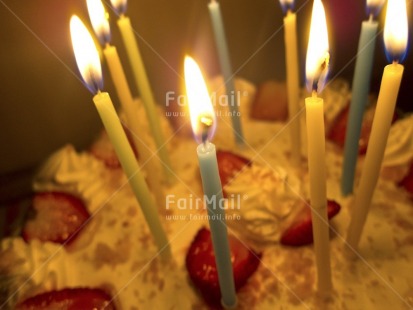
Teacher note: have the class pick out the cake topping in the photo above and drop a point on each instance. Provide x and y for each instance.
(200, 263)
(69, 299)
(399, 147)
(301, 230)
(56, 217)
(267, 196)
(68, 171)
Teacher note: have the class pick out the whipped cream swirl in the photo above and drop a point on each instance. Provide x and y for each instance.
(267, 197)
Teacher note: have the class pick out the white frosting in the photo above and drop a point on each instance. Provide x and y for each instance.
(267, 196)
(116, 250)
(399, 147)
(77, 173)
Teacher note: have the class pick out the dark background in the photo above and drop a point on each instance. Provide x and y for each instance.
(44, 104)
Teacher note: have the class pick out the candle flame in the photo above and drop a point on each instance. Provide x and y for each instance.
(201, 111)
(99, 19)
(374, 7)
(318, 56)
(86, 54)
(120, 6)
(396, 30)
(287, 5)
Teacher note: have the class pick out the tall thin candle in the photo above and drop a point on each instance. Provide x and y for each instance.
(395, 40)
(88, 62)
(203, 123)
(221, 43)
(359, 97)
(293, 80)
(150, 162)
(316, 70)
(142, 83)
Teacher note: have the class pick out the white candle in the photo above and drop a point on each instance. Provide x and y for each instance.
(221, 44)
(203, 123)
(316, 70)
(149, 162)
(395, 40)
(293, 81)
(142, 84)
(88, 62)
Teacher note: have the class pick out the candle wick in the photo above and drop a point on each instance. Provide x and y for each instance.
(314, 93)
(371, 17)
(395, 62)
(206, 123)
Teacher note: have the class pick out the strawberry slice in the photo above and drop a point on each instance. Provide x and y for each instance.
(300, 231)
(200, 263)
(337, 133)
(55, 216)
(229, 164)
(69, 299)
(407, 181)
(103, 150)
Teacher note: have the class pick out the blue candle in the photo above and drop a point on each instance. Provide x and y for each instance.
(360, 91)
(225, 63)
(203, 122)
(214, 200)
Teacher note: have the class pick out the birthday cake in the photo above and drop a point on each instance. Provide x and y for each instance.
(111, 258)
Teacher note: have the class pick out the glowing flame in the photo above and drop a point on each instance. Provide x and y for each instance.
(86, 54)
(201, 111)
(396, 30)
(119, 6)
(318, 57)
(287, 5)
(374, 6)
(99, 19)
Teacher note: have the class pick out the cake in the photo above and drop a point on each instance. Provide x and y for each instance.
(114, 251)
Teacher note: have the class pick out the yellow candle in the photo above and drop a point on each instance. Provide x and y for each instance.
(316, 70)
(293, 83)
(149, 162)
(87, 59)
(395, 40)
(142, 83)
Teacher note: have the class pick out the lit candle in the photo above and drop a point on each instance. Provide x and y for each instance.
(316, 71)
(88, 62)
(221, 44)
(293, 79)
(101, 26)
(359, 97)
(142, 83)
(203, 122)
(395, 41)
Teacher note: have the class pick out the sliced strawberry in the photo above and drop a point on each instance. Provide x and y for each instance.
(103, 150)
(337, 133)
(56, 217)
(301, 230)
(200, 263)
(407, 181)
(229, 164)
(69, 299)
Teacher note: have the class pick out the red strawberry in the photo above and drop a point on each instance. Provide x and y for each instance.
(103, 150)
(337, 133)
(69, 299)
(200, 263)
(57, 217)
(301, 230)
(407, 181)
(229, 164)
